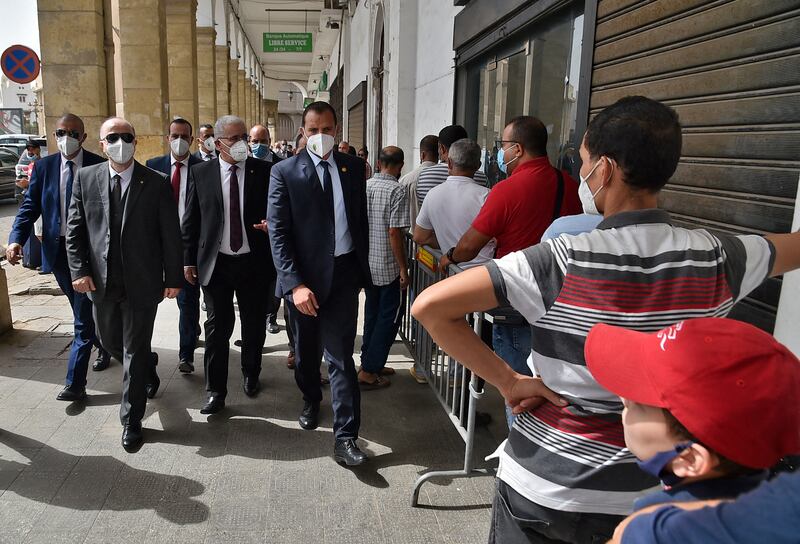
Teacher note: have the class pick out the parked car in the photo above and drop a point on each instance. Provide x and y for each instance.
(8, 164)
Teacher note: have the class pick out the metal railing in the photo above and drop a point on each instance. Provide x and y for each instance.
(456, 388)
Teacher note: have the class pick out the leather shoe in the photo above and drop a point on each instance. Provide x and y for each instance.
(346, 452)
(71, 395)
(309, 418)
(273, 328)
(186, 367)
(132, 438)
(152, 387)
(214, 404)
(103, 360)
(251, 386)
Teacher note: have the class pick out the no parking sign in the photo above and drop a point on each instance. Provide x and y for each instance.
(20, 64)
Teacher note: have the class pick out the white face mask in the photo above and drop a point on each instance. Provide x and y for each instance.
(120, 152)
(179, 147)
(320, 144)
(585, 193)
(67, 145)
(208, 143)
(238, 151)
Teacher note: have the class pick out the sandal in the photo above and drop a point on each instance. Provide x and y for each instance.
(379, 383)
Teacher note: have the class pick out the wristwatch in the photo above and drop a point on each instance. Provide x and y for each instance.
(450, 255)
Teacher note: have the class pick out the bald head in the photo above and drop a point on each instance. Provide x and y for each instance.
(117, 125)
(70, 121)
(390, 160)
(259, 135)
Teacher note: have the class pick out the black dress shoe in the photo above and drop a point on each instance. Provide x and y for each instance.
(273, 328)
(309, 418)
(71, 395)
(346, 452)
(103, 360)
(251, 386)
(152, 386)
(213, 404)
(132, 438)
(186, 367)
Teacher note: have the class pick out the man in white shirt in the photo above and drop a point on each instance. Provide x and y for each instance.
(449, 208)
(176, 166)
(206, 149)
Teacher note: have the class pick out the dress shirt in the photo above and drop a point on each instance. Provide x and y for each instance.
(125, 177)
(225, 176)
(184, 178)
(344, 242)
(77, 164)
(207, 156)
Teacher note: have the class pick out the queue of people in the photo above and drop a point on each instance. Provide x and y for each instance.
(621, 372)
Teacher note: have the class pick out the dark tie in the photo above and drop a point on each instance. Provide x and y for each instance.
(70, 179)
(236, 216)
(327, 186)
(176, 182)
(116, 193)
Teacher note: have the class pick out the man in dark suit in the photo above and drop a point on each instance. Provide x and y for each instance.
(317, 217)
(124, 250)
(176, 165)
(48, 196)
(226, 250)
(206, 151)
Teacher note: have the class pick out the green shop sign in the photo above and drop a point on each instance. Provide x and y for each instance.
(288, 42)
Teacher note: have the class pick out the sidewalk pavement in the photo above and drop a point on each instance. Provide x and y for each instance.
(249, 474)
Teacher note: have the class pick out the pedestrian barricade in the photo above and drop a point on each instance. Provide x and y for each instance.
(457, 389)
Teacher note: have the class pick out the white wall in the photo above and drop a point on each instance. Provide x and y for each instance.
(359, 57)
(787, 326)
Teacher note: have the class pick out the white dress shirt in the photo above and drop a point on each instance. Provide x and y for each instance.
(124, 178)
(184, 181)
(78, 163)
(225, 175)
(344, 242)
(207, 156)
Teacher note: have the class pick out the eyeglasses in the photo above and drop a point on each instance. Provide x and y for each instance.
(499, 143)
(112, 138)
(235, 138)
(60, 133)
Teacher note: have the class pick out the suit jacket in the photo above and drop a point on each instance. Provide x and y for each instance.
(43, 198)
(163, 163)
(301, 230)
(199, 155)
(204, 218)
(150, 238)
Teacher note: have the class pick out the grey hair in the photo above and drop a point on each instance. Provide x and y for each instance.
(225, 120)
(465, 154)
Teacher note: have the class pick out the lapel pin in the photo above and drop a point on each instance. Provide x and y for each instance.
(251, 171)
(344, 169)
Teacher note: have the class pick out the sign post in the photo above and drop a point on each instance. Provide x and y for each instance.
(288, 42)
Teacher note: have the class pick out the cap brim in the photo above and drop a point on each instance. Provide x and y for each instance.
(619, 359)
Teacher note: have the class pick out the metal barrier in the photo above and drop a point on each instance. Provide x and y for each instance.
(456, 388)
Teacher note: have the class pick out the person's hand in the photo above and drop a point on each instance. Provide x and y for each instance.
(403, 279)
(190, 273)
(22, 183)
(13, 253)
(444, 263)
(83, 284)
(304, 300)
(261, 226)
(171, 292)
(525, 393)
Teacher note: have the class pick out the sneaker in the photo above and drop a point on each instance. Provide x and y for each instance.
(417, 375)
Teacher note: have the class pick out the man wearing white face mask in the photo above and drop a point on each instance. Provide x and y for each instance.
(124, 250)
(317, 216)
(207, 149)
(48, 196)
(226, 251)
(176, 165)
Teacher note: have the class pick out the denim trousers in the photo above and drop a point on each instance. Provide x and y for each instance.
(382, 315)
(513, 345)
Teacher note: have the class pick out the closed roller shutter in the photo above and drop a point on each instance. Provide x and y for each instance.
(356, 126)
(731, 69)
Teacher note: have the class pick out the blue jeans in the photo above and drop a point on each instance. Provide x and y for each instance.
(382, 315)
(513, 345)
(84, 338)
(189, 320)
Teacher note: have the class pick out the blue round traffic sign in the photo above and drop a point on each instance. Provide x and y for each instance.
(20, 64)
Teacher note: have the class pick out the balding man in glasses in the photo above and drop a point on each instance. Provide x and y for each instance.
(124, 249)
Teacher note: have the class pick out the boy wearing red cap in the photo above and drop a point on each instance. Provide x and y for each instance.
(710, 404)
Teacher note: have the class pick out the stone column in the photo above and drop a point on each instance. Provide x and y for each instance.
(206, 75)
(246, 113)
(254, 103)
(241, 88)
(223, 54)
(74, 78)
(233, 90)
(270, 115)
(182, 59)
(140, 71)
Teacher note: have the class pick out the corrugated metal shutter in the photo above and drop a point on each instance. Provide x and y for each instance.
(731, 69)
(356, 126)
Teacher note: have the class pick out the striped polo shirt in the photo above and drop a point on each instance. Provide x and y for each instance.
(437, 174)
(635, 270)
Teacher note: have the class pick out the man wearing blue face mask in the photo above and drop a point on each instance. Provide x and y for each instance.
(259, 141)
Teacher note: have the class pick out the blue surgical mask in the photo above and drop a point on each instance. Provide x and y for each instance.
(501, 156)
(259, 150)
(657, 463)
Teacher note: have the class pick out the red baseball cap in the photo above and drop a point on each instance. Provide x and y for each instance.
(733, 386)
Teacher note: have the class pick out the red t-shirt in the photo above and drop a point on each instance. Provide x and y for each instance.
(519, 209)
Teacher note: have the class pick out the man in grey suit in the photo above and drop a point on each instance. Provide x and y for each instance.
(124, 249)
